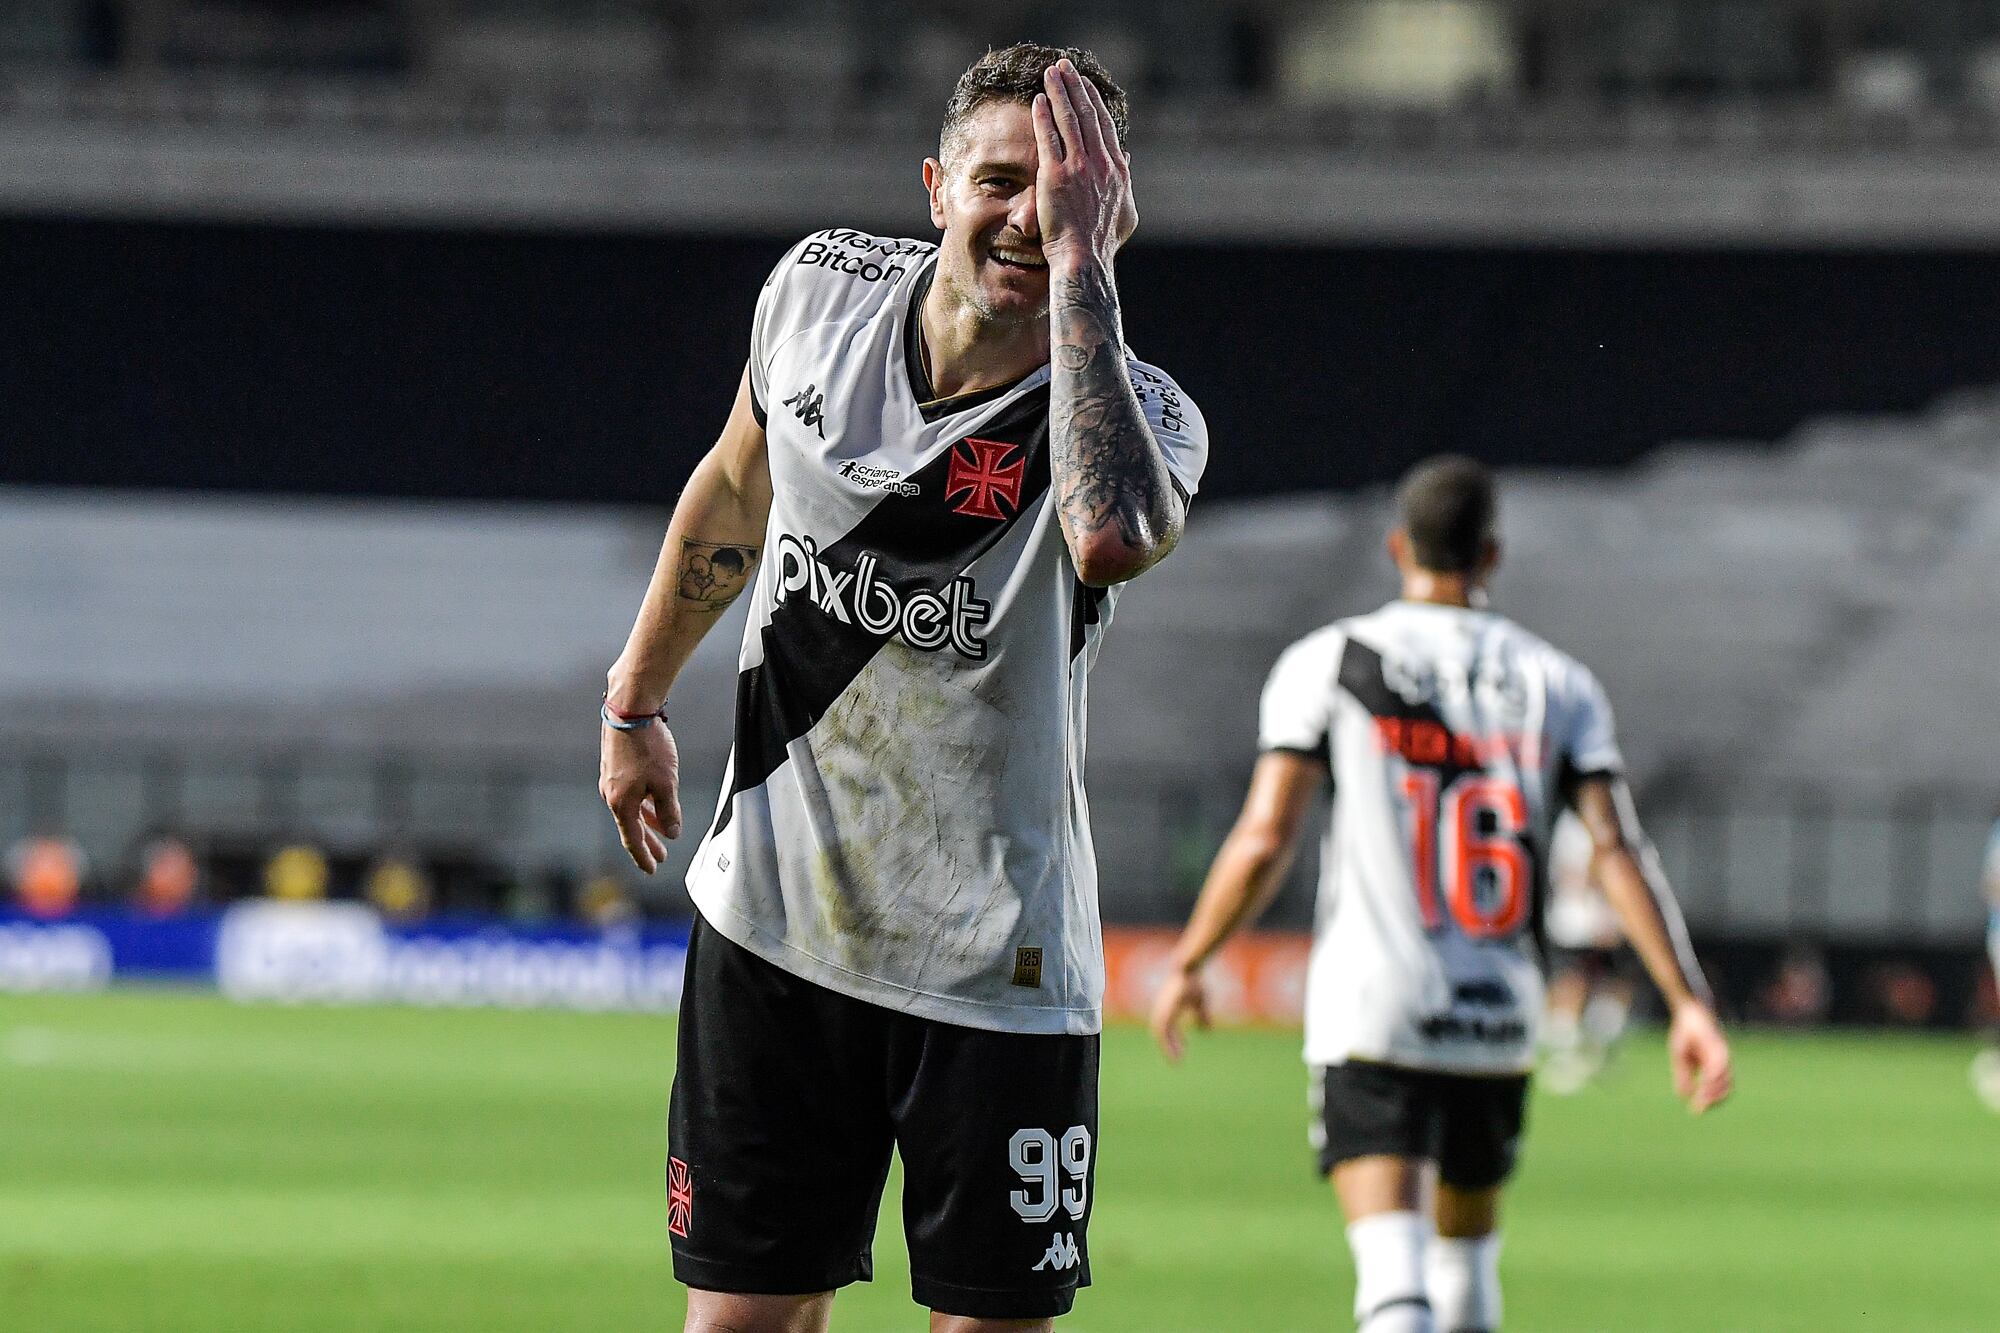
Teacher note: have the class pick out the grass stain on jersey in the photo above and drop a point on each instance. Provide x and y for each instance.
(893, 747)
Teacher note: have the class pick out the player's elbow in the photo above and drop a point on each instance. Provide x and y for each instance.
(1104, 563)
(1117, 552)
(1260, 846)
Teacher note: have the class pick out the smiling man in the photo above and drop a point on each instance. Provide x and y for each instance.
(941, 464)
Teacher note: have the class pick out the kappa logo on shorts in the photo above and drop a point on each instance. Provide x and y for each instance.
(984, 475)
(680, 1197)
(1062, 1253)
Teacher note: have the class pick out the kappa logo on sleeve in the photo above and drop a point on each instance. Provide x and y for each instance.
(983, 474)
(680, 1197)
(809, 406)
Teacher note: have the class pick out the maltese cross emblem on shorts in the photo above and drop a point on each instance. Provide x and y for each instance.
(979, 471)
(680, 1197)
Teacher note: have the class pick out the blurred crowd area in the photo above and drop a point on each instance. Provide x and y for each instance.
(1874, 54)
(164, 874)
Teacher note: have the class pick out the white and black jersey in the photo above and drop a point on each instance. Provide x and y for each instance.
(903, 817)
(1452, 736)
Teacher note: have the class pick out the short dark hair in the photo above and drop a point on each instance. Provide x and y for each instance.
(1014, 74)
(1446, 506)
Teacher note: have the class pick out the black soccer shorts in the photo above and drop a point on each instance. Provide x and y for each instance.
(787, 1101)
(1470, 1125)
(1608, 963)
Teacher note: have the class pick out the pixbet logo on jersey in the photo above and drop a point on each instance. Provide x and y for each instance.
(924, 618)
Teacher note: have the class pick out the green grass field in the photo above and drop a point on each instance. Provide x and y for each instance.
(173, 1162)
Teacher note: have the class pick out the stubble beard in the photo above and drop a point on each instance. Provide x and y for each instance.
(966, 294)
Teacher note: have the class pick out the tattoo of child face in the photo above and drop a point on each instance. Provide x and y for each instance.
(713, 574)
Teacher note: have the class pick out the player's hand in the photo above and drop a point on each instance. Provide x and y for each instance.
(1700, 1056)
(1183, 997)
(639, 777)
(1083, 183)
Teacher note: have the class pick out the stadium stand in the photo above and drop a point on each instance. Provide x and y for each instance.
(1688, 119)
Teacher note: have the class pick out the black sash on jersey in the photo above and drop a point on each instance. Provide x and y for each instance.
(810, 657)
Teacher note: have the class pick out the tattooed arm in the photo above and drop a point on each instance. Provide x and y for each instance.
(1119, 511)
(1120, 514)
(709, 557)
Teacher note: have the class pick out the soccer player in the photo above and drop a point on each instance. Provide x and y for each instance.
(1452, 736)
(941, 463)
(1590, 994)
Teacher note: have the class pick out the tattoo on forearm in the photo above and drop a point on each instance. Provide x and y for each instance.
(1106, 466)
(711, 574)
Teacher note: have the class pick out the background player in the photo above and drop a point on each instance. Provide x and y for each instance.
(1590, 993)
(950, 458)
(1453, 736)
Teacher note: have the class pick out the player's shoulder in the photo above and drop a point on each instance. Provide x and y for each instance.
(841, 269)
(1376, 629)
(1561, 668)
(1319, 648)
(1146, 375)
(844, 258)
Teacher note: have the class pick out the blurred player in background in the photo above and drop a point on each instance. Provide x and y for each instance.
(1590, 994)
(1986, 1065)
(950, 458)
(1452, 736)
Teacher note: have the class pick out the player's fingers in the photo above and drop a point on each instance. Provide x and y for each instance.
(1717, 1080)
(632, 832)
(662, 812)
(1046, 136)
(1064, 110)
(1083, 97)
(1107, 128)
(1162, 1024)
(1683, 1066)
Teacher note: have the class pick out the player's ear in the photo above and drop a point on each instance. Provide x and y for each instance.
(1398, 546)
(934, 186)
(1489, 556)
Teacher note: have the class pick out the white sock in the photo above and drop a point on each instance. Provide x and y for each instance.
(1604, 1019)
(1389, 1295)
(1463, 1278)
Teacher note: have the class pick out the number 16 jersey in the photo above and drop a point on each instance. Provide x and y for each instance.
(1453, 737)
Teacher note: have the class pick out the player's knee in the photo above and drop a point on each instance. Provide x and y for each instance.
(1466, 1214)
(1389, 1291)
(732, 1312)
(951, 1323)
(1463, 1279)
